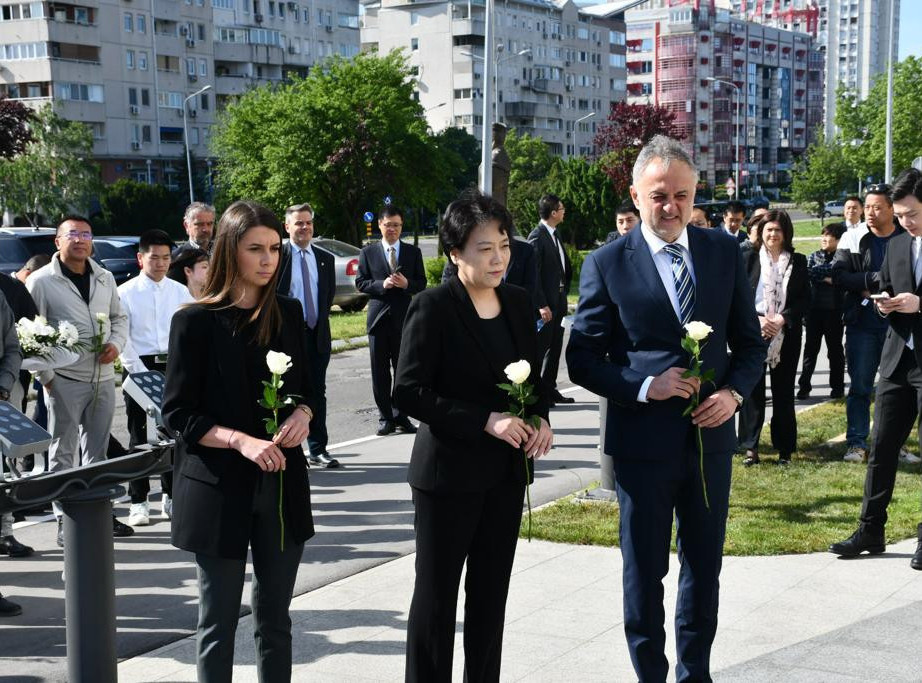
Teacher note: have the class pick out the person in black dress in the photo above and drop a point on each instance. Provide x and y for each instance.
(467, 470)
(227, 479)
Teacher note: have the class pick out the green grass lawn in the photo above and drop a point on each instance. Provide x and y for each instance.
(806, 247)
(811, 227)
(347, 325)
(773, 510)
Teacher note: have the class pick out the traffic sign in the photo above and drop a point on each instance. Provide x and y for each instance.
(368, 216)
(388, 200)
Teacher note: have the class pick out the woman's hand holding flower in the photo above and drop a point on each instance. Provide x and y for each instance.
(540, 441)
(508, 428)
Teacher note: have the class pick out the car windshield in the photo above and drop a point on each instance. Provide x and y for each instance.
(338, 248)
(105, 250)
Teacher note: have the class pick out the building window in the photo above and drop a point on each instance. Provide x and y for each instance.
(201, 31)
(190, 66)
(79, 91)
(142, 61)
(414, 44)
(129, 22)
(141, 23)
(202, 67)
(145, 97)
(133, 97)
(193, 136)
(414, 18)
(129, 59)
(203, 101)
(171, 100)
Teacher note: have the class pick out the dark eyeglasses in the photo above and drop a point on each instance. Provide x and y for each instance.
(878, 188)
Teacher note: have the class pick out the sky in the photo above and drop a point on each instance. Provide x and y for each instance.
(910, 29)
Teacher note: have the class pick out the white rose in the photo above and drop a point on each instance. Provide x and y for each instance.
(278, 362)
(518, 372)
(102, 317)
(698, 331)
(68, 335)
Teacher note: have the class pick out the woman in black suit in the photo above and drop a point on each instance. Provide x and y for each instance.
(467, 470)
(227, 481)
(782, 295)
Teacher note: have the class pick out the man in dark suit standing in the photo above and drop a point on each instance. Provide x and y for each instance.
(554, 275)
(198, 222)
(636, 295)
(390, 272)
(899, 391)
(308, 275)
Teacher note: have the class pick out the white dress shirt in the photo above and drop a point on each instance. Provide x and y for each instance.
(663, 262)
(149, 307)
(563, 261)
(296, 290)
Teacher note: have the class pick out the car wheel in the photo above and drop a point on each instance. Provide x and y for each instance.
(354, 306)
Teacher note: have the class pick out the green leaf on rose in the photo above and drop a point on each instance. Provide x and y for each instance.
(506, 387)
(530, 400)
(688, 410)
(708, 375)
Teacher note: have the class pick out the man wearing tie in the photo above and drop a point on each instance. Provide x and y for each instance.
(390, 272)
(636, 295)
(554, 275)
(899, 391)
(307, 274)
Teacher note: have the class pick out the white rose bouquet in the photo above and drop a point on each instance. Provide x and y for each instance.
(696, 334)
(43, 346)
(522, 396)
(278, 363)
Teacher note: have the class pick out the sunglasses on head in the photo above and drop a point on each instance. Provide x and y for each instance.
(878, 188)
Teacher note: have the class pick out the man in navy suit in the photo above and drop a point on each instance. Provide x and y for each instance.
(636, 295)
(302, 265)
(390, 272)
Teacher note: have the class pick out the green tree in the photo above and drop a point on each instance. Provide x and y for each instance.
(14, 127)
(127, 206)
(532, 163)
(863, 124)
(459, 152)
(342, 138)
(54, 175)
(823, 174)
(587, 192)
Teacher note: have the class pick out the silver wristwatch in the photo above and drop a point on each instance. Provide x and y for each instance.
(737, 396)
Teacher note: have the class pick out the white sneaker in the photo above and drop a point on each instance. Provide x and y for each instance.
(853, 454)
(167, 511)
(909, 458)
(139, 514)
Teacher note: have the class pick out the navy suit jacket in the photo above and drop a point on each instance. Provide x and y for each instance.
(326, 290)
(625, 330)
(373, 270)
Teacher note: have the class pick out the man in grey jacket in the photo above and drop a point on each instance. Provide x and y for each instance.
(81, 397)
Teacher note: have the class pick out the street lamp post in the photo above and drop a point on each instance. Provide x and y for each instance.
(576, 130)
(736, 125)
(888, 156)
(486, 142)
(185, 136)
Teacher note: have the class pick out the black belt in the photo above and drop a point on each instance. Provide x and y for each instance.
(154, 359)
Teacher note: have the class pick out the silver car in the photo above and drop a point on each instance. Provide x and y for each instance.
(346, 257)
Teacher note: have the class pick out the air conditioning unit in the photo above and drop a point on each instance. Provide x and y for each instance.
(190, 42)
(476, 75)
(193, 113)
(258, 18)
(329, 29)
(566, 63)
(134, 109)
(184, 30)
(193, 78)
(291, 50)
(135, 144)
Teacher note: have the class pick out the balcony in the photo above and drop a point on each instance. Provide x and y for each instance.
(521, 109)
(468, 27)
(73, 32)
(537, 84)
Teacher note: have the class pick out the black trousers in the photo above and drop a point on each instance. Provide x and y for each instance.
(384, 348)
(550, 344)
(480, 528)
(221, 588)
(318, 438)
(896, 410)
(784, 422)
(824, 325)
(139, 489)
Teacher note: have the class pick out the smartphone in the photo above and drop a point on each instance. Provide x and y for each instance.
(879, 297)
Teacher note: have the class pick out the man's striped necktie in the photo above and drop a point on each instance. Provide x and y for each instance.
(684, 287)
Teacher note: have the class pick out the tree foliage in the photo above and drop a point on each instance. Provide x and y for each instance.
(459, 151)
(628, 128)
(14, 127)
(863, 124)
(54, 174)
(130, 207)
(343, 138)
(820, 176)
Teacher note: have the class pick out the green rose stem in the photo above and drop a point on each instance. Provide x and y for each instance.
(270, 400)
(97, 348)
(693, 347)
(521, 394)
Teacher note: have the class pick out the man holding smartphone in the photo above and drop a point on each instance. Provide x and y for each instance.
(899, 392)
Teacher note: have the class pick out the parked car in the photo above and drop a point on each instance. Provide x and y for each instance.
(18, 245)
(834, 208)
(118, 255)
(346, 257)
(756, 202)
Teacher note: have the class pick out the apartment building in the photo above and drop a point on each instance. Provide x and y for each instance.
(675, 50)
(558, 66)
(854, 35)
(126, 68)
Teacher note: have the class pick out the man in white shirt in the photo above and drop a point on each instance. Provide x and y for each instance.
(855, 227)
(149, 300)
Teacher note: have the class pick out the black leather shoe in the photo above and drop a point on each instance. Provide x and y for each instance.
(837, 393)
(385, 428)
(404, 425)
(60, 538)
(10, 546)
(9, 609)
(859, 542)
(120, 530)
(803, 394)
(916, 561)
(323, 460)
(557, 397)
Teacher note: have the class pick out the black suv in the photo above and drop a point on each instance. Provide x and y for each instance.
(18, 245)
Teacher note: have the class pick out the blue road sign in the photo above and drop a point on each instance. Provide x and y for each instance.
(368, 216)
(388, 200)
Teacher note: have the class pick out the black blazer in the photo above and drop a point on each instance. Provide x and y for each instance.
(213, 487)
(374, 269)
(896, 277)
(797, 298)
(625, 330)
(549, 272)
(521, 272)
(326, 289)
(447, 379)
